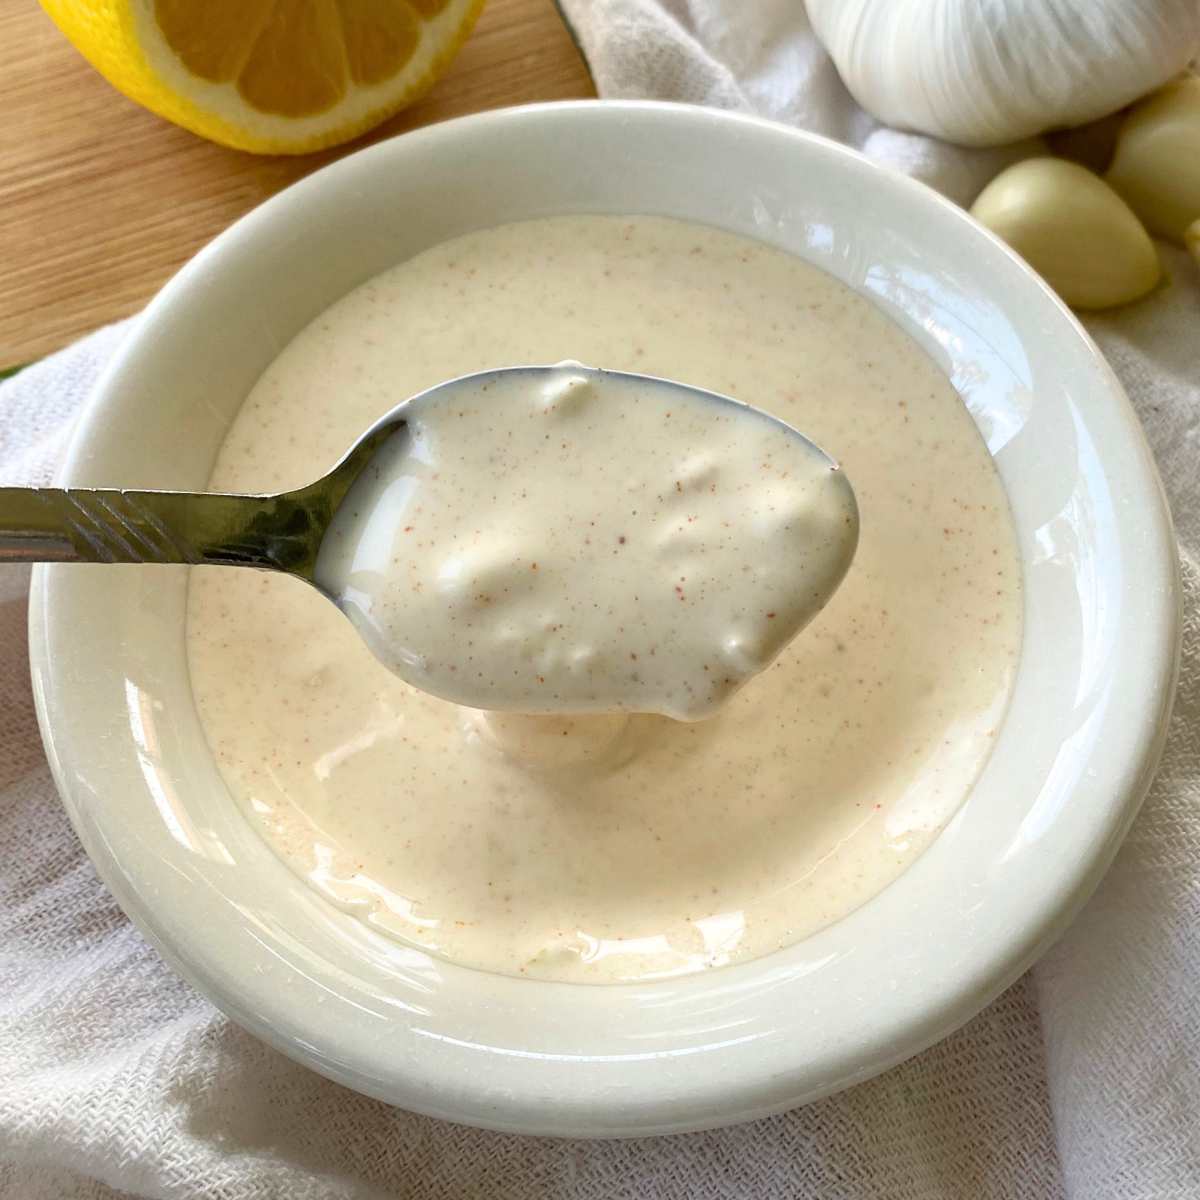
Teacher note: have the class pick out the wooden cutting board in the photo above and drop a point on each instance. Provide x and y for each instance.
(100, 201)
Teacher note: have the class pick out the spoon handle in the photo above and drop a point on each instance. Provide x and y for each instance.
(279, 532)
(116, 526)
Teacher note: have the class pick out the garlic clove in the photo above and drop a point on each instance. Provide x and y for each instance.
(1191, 237)
(1073, 229)
(1156, 167)
(983, 74)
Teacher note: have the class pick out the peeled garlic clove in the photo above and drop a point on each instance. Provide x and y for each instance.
(1073, 229)
(1191, 237)
(985, 74)
(1156, 167)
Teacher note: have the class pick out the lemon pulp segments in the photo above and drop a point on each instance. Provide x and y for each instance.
(271, 75)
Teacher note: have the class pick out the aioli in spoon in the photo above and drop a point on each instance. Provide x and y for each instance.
(532, 539)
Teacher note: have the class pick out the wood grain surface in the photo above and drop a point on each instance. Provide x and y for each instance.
(100, 201)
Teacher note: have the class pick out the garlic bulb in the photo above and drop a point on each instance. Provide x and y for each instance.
(1073, 229)
(1156, 165)
(982, 74)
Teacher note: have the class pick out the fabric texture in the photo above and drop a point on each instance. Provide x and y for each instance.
(1082, 1081)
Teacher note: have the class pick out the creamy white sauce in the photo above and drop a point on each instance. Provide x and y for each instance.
(616, 847)
(576, 540)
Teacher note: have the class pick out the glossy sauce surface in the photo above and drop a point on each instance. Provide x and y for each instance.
(606, 848)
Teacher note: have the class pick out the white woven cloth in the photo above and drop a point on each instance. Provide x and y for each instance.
(1083, 1081)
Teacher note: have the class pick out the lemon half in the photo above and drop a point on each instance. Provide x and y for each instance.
(273, 76)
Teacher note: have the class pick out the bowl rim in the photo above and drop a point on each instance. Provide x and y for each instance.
(901, 1035)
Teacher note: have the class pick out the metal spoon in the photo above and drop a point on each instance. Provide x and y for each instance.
(280, 532)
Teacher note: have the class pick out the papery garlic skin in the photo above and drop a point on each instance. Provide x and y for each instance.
(982, 74)
(1073, 229)
(1156, 165)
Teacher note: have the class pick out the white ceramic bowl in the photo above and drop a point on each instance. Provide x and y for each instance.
(1070, 765)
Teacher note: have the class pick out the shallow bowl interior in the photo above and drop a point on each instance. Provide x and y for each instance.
(1070, 764)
